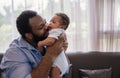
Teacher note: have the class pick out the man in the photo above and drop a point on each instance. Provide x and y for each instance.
(22, 59)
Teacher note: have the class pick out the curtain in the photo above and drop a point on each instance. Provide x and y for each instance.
(94, 24)
(104, 25)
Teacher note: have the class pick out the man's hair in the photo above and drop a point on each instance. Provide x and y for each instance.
(22, 22)
(65, 19)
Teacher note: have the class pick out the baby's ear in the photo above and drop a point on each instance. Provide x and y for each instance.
(29, 36)
(62, 26)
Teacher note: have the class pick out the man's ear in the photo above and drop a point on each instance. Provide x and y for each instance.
(29, 36)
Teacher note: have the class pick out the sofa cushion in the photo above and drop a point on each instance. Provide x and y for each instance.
(97, 73)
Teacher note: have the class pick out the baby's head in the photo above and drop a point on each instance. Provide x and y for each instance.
(64, 20)
(59, 20)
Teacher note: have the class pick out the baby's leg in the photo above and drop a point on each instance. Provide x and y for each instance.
(55, 72)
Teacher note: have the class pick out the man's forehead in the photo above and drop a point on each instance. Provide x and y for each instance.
(35, 20)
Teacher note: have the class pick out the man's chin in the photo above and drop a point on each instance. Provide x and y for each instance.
(44, 37)
(37, 39)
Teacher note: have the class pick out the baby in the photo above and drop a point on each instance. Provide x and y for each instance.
(57, 26)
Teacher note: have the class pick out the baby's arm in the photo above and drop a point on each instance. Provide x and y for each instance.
(47, 42)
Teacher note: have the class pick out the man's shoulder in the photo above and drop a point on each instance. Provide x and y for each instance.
(16, 49)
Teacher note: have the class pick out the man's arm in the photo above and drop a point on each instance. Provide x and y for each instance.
(43, 69)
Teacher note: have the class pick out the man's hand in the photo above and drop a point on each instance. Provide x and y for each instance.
(65, 43)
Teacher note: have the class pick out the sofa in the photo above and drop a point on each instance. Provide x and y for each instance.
(94, 61)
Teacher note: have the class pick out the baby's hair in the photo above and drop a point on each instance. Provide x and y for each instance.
(65, 19)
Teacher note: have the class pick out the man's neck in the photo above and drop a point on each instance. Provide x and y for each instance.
(31, 42)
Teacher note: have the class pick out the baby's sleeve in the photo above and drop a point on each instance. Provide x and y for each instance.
(55, 33)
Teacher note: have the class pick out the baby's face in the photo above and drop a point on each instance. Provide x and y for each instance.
(55, 22)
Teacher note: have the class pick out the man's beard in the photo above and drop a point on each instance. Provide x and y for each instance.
(39, 38)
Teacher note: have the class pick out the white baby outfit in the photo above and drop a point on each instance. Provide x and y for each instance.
(61, 61)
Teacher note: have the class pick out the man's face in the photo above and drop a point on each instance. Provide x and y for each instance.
(39, 28)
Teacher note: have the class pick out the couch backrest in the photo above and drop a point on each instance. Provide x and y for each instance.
(95, 60)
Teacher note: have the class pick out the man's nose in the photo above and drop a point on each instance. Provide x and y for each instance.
(46, 26)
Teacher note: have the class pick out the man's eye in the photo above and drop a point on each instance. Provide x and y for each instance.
(41, 26)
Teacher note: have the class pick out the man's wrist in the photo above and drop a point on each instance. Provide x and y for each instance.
(49, 56)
